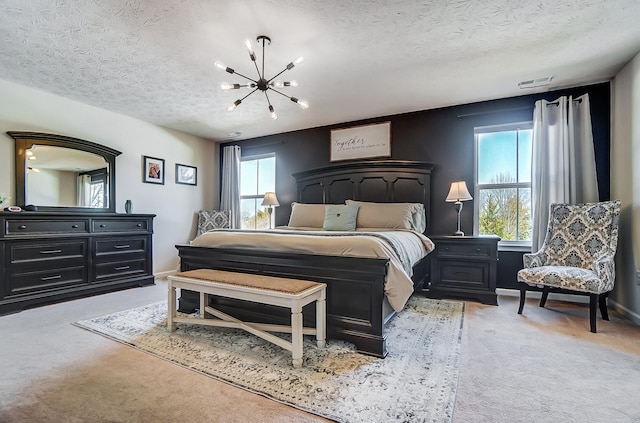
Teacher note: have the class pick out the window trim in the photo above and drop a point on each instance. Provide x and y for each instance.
(504, 245)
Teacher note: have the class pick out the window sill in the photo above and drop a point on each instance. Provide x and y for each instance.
(514, 248)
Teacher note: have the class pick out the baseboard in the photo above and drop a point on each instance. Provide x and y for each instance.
(630, 314)
(583, 299)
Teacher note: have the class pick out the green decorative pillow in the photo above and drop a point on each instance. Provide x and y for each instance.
(340, 217)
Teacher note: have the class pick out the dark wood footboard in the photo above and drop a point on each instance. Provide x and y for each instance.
(357, 309)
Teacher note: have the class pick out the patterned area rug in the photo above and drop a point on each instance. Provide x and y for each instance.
(416, 382)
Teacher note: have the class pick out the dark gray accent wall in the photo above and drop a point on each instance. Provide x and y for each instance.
(443, 137)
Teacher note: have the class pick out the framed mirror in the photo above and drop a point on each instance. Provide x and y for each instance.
(56, 173)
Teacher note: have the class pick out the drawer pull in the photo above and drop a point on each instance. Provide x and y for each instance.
(22, 227)
(139, 225)
(50, 251)
(102, 225)
(74, 226)
(478, 249)
(122, 246)
(123, 267)
(50, 278)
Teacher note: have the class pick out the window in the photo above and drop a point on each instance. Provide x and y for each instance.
(503, 182)
(257, 176)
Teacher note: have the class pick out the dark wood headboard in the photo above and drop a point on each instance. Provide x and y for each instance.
(382, 181)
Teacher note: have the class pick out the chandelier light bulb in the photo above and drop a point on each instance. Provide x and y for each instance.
(293, 83)
(298, 61)
(226, 86)
(277, 84)
(234, 105)
(252, 54)
(274, 116)
(303, 104)
(220, 65)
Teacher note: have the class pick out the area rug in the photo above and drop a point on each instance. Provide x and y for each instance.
(416, 382)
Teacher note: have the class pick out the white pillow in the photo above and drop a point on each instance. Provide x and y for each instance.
(307, 215)
(390, 215)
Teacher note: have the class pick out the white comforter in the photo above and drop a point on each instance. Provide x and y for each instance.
(403, 248)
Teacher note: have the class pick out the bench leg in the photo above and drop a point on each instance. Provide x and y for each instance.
(171, 325)
(321, 318)
(203, 304)
(296, 335)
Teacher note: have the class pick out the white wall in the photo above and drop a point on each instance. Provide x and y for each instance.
(625, 185)
(26, 109)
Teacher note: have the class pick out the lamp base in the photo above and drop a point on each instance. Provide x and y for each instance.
(458, 233)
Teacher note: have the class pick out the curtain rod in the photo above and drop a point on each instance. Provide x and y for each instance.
(495, 111)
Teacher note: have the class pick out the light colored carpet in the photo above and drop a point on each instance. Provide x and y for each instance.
(540, 367)
(416, 382)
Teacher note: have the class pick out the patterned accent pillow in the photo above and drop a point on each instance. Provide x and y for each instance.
(209, 220)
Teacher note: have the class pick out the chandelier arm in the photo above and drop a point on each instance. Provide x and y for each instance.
(265, 94)
(278, 74)
(248, 94)
(246, 77)
(282, 94)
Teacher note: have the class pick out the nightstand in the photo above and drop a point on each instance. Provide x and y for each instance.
(464, 266)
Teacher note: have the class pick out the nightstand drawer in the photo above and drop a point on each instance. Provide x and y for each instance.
(464, 274)
(466, 249)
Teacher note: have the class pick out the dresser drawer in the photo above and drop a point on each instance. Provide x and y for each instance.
(31, 252)
(46, 280)
(466, 249)
(121, 225)
(116, 246)
(115, 269)
(17, 227)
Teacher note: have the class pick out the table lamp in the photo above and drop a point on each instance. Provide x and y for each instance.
(457, 194)
(270, 200)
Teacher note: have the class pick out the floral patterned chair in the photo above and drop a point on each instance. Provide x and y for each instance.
(576, 256)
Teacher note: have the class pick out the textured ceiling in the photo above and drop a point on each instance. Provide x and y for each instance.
(154, 60)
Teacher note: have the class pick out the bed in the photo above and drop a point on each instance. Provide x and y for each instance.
(358, 300)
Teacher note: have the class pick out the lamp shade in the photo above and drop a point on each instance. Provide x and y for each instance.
(270, 199)
(458, 192)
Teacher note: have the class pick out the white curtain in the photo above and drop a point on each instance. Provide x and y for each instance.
(84, 190)
(230, 196)
(563, 162)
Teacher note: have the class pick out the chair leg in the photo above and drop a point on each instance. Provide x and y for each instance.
(603, 305)
(593, 301)
(543, 298)
(523, 296)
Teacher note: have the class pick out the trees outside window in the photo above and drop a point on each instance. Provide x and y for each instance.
(257, 176)
(503, 182)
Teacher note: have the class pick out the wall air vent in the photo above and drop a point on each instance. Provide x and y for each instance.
(534, 83)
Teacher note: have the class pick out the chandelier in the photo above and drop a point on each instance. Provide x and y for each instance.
(262, 84)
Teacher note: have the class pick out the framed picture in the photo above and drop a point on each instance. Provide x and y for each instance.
(359, 142)
(153, 170)
(187, 175)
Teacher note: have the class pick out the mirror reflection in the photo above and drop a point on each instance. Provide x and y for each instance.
(65, 177)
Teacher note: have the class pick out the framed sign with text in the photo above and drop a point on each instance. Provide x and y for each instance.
(359, 142)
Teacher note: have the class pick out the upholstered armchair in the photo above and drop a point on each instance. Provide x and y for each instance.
(209, 220)
(576, 256)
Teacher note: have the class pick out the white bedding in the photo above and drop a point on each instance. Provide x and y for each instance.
(404, 248)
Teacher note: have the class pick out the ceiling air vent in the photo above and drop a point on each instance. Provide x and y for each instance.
(534, 83)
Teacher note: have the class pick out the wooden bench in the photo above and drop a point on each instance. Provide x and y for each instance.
(283, 292)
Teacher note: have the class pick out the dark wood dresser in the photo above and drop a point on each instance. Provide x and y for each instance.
(52, 256)
(465, 267)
